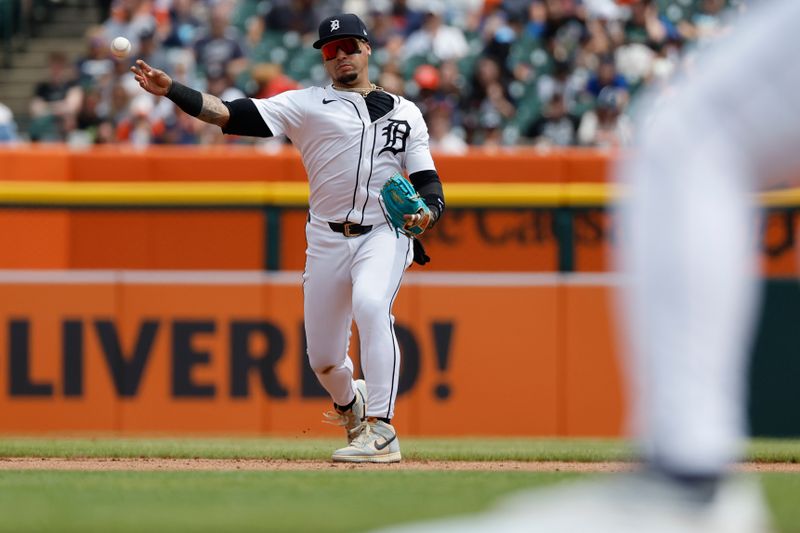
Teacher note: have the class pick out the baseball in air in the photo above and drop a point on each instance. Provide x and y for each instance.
(120, 47)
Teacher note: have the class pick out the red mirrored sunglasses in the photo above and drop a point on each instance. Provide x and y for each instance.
(348, 46)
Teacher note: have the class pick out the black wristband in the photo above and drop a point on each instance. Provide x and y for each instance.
(186, 98)
(436, 204)
(429, 186)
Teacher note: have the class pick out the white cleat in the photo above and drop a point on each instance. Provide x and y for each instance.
(376, 442)
(352, 418)
(632, 503)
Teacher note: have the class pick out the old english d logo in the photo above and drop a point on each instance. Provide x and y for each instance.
(396, 133)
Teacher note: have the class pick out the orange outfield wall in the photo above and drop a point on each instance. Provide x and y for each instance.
(521, 240)
(235, 240)
(101, 352)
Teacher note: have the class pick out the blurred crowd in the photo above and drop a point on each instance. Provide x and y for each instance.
(489, 73)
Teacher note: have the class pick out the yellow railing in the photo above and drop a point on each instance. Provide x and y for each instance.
(295, 194)
(274, 197)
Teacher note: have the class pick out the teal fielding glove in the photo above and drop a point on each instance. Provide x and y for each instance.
(404, 208)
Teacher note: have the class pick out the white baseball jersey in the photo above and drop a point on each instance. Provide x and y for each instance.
(348, 157)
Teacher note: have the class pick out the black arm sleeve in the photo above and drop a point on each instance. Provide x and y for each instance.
(186, 98)
(245, 119)
(429, 187)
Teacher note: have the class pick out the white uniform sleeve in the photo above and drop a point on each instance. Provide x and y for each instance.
(418, 154)
(283, 113)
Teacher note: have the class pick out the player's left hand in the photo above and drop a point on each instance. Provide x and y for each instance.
(421, 219)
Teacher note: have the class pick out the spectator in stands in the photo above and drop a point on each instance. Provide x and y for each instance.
(436, 38)
(119, 75)
(561, 81)
(8, 128)
(443, 138)
(270, 80)
(513, 8)
(96, 65)
(451, 83)
(556, 127)
(464, 14)
(427, 79)
(90, 116)
(222, 86)
(603, 37)
(565, 30)
(609, 10)
(537, 20)
(391, 78)
(645, 26)
(150, 48)
(606, 126)
(384, 34)
(405, 19)
(221, 48)
(138, 126)
(181, 129)
(56, 101)
(489, 133)
(184, 26)
(439, 97)
(129, 18)
(252, 41)
(299, 16)
(488, 104)
(606, 76)
(182, 66)
(117, 106)
(501, 38)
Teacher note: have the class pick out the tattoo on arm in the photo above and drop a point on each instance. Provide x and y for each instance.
(214, 111)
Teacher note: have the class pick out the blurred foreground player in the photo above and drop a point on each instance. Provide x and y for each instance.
(688, 247)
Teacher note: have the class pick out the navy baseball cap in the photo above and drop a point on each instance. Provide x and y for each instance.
(340, 26)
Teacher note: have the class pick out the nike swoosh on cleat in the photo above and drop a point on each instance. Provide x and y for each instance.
(381, 445)
(324, 101)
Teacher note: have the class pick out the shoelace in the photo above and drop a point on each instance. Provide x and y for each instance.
(335, 418)
(364, 430)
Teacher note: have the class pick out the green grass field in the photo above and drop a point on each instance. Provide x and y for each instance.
(350, 499)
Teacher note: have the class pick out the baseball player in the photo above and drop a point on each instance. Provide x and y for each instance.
(352, 136)
(688, 246)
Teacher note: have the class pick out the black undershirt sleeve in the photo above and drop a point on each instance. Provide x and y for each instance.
(187, 99)
(245, 119)
(429, 187)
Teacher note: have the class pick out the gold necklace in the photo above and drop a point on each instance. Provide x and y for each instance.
(363, 91)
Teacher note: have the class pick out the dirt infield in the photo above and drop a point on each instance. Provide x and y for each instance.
(160, 464)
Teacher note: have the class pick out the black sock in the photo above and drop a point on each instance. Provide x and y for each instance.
(342, 408)
(703, 486)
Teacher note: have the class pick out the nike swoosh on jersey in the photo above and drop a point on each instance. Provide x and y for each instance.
(381, 445)
(324, 101)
